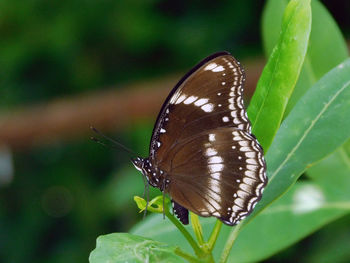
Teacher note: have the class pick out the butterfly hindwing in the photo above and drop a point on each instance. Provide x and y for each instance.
(218, 173)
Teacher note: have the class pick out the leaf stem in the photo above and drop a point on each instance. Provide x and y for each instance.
(186, 256)
(197, 228)
(229, 243)
(186, 234)
(214, 235)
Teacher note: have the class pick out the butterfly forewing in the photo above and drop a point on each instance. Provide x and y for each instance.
(210, 97)
(219, 173)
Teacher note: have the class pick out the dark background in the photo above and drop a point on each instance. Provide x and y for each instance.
(58, 195)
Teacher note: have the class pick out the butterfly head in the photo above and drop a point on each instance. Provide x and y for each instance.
(138, 162)
(141, 165)
(153, 176)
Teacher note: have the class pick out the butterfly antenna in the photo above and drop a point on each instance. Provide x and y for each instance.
(103, 144)
(111, 140)
(98, 141)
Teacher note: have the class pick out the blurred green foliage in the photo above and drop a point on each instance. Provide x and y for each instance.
(54, 48)
(64, 195)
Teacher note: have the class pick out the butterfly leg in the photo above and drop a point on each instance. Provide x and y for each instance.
(180, 212)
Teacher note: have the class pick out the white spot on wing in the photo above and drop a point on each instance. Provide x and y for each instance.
(181, 99)
(250, 154)
(213, 168)
(214, 186)
(249, 173)
(190, 99)
(245, 187)
(210, 66)
(239, 201)
(216, 176)
(216, 214)
(236, 121)
(211, 137)
(215, 159)
(218, 69)
(210, 152)
(243, 143)
(251, 161)
(225, 119)
(208, 107)
(245, 149)
(252, 167)
(201, 102)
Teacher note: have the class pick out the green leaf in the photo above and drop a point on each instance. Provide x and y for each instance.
(334, 237)
(306, 208)
(271, 23)
(301, 211)
(333, 173)
(154, 206)
(281, 73)
(157, 228)
(316, 63)
(123, 247)
(141, 203)
(317, 125)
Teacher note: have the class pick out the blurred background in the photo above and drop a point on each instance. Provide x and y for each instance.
(66, 65)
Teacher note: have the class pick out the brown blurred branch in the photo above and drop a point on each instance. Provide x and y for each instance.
(107, 110)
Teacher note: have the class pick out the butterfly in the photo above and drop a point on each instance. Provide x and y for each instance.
(202, 152)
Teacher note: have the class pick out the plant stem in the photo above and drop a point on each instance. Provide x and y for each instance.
(186, 256)
(229, 243)
(197, 228)
(214, 235)
(187, 235)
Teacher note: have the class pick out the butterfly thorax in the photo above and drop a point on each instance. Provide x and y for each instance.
(154, 176)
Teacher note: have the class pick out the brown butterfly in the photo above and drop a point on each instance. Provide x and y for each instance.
(202, 152)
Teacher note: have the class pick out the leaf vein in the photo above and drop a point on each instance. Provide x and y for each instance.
(307, 131)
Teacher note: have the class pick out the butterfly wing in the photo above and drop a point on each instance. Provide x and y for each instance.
(209, 96)
(218, 173)
(204, 114)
